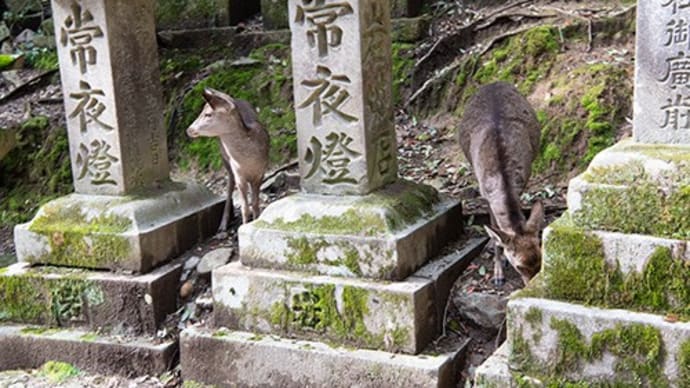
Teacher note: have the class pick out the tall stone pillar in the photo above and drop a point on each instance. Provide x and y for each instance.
(346, 261)
(125, 216)
(114, 110)
(612, 295)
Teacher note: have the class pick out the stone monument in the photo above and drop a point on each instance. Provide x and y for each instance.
(611, 304)
(125, 215)
(346, 261)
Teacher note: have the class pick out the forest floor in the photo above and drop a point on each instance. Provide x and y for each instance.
(428, 152)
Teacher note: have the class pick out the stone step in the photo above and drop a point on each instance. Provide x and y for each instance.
(393, 316)
(613, 270)
(27, 347)
(634, 188)
(135, 233)
(65, 297)
(559, 342)
(495, 372)
(227, 358)
(387, 235)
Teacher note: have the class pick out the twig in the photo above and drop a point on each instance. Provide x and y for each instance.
(26, 85)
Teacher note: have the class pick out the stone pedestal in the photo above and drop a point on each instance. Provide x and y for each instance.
(125, 216)
(611, 304)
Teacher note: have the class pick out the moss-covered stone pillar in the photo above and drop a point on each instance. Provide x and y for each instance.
(125, 213)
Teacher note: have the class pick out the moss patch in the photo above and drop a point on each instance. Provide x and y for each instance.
(638, 351)
(336, 315)
(37, 170)
(642, 205)
(30, 298)
(684, 363)
(584, 114)
(79, 241)
(387, 210)
(577, 271)
(58, 372)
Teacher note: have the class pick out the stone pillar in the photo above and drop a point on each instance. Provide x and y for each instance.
(113, 97)
(125, 214)
(615, 265)
(662, 73)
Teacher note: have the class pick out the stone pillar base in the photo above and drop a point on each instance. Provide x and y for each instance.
(385, 235)
(131, 233)
(272, 361)
(93, 300)
(26, 347)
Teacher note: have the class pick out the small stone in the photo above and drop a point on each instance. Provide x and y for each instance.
(186, 289)
(192, 262)
(148, 299)
(204, 302)
(213, 260)
(484, 310)
(26, 36)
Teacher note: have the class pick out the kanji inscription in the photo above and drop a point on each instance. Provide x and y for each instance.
(329, 93)
(322, 16)
(77, 33)
(95, 161)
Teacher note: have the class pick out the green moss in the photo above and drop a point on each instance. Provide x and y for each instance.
(79, 241)
(584, 114)
(640, 205)
(39, 330)
(43, 59)
(89, 337)
(37, 170)
(303, 252)
(22, 300)
(520, 355)
(578, 272)
(403, 63)
(31, 298)
(188, 14)
(222, 332)
(684, 364)
(638, 352)
(389, 209)
(533, 316)
(58, 372)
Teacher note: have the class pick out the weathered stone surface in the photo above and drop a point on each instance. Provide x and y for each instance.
(386, 235)
(399, 316)
(484, 310)
(110, 77)
(229, 358)
(213, 260)
(405, 8)
(62, 297)
(343, 95)
(27, 347)
(411, 30)
(495, 371)
(135, 233)
(635, 188)
(662, 94)
(561, 341)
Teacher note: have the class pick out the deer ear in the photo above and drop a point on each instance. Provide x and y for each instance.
(536, 218)
(502, 238)
(217, 99)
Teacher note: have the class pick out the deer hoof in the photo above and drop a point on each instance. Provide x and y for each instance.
(499, 282)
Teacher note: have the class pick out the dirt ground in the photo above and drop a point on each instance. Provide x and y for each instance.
(428, 153)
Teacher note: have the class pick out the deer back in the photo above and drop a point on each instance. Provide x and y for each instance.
(499, 134)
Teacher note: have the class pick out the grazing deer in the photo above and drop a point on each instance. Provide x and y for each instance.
(243, 146)
(499, 134)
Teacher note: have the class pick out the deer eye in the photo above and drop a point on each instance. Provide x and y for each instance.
(208, 114)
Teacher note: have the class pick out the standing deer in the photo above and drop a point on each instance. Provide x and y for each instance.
(243, 146)
(499, 134)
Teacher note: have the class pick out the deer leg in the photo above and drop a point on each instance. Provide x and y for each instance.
(499, 262)
(243, 187)
(256, 190)
(229, 206)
